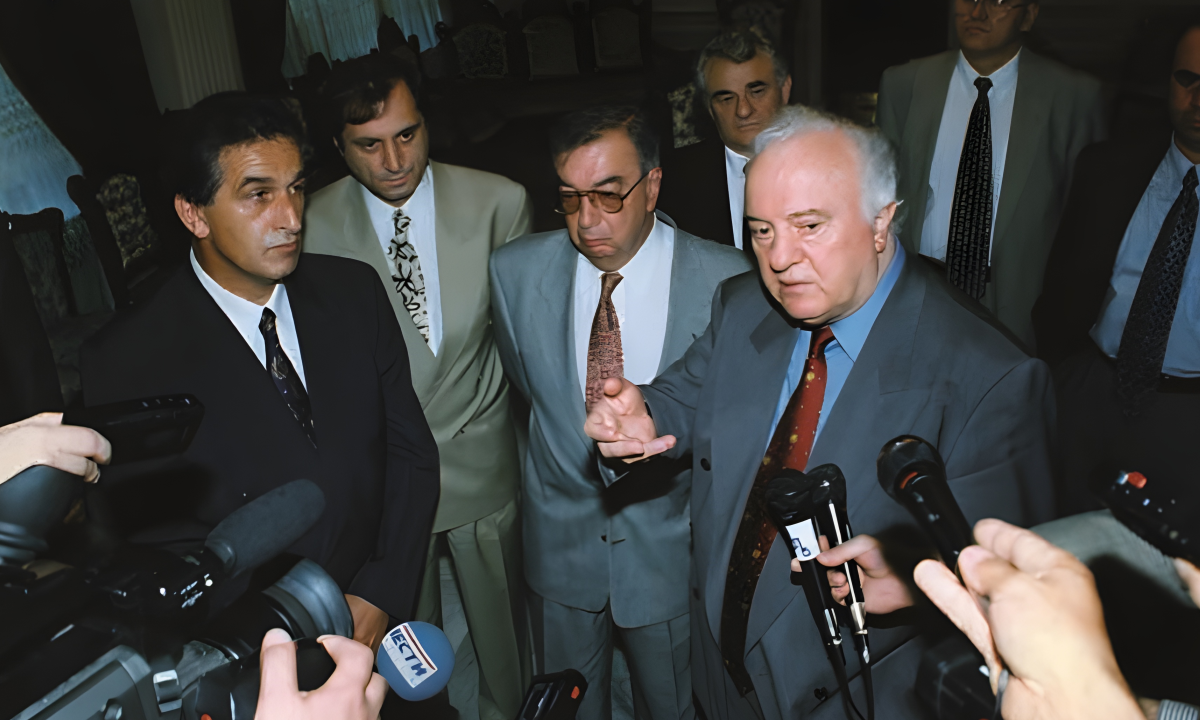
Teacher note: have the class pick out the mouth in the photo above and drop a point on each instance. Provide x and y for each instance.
(398, 180)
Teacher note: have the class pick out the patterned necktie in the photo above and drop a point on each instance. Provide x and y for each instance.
(971, 215)
(605, 357)
(790, 446)
(285, 377)
(406, 273)
(1148, 327)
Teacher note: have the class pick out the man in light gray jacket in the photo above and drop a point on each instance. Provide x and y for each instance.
(620, 293)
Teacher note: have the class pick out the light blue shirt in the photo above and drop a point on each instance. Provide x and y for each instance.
(1183, 346)
(849, 335)
(952, 133)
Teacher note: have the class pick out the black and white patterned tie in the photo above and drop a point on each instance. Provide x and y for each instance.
(406, 273)
(1148, 328)
(285, 377)
(971, 215)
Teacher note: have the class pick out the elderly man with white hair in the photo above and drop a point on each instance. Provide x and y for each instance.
(838, 344)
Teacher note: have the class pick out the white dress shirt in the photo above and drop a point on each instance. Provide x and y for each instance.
(1183, 344)
(641, 300)
(952, 133)
(246, 316)
(422, 233)
(735, 178)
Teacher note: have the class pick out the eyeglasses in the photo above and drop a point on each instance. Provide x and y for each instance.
(999, 7)
(569, 201)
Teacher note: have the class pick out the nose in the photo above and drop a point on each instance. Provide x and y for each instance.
(744, 109)
(979, 10)
(391, 156)
(589, 214)
(291, 208)
(780, 254)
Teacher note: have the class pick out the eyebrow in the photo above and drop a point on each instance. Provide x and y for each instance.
(818, 213)
(606, 181)
(364, 140)
(253, 180)
(1186, 78)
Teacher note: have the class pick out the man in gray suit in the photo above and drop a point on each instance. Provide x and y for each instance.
(844, 342)
(620, 292)
(987, 139)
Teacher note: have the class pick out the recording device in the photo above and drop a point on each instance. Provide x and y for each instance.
(416, 660)
(1155, 518)
(143, 429)
(912, 473)
(556, 696)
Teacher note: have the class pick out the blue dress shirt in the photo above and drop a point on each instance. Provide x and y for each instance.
(1183, 346)
(849, 335)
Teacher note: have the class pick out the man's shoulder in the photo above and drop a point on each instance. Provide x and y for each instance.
(951, 318)
(323, 270)
(1065, 80)
(519, 252)
(480, 183)
(724, 260)
(154, 317)
(906, 73)
(331, 199)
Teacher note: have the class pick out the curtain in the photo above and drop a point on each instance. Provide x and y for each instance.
(344, 29)
(35, 164)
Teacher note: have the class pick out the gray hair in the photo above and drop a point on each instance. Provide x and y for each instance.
(739, 45)
(877, 160)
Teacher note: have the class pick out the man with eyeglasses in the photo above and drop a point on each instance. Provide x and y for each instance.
(1120, 316)
(621, 292)
(987, 137)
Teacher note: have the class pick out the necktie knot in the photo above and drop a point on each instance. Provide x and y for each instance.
(267, 322)
(820, 338)
(400, 221)
(984, 84)
(1189, 180)
(608, 283)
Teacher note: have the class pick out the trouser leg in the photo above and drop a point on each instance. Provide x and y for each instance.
(569, 638)
(487, 563)
(660, 669)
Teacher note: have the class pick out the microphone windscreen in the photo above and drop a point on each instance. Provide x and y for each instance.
(416, 660)
(265, 527)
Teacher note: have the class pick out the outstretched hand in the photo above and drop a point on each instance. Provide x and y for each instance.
(621, 425)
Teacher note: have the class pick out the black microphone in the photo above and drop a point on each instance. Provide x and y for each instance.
(260, 530)
(791, 507)
(912, 472)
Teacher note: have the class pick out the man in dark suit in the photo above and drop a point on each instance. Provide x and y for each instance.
(1120, 312)
(840, 343)
(742, 81)
(299, 363)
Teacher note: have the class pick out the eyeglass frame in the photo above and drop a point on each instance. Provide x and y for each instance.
(1000, 5)
(590, 193)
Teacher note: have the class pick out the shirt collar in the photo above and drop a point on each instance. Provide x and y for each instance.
(381, 213)
(1002, 78)
(735, 162)
(1179, 165)
(851, 331)
(244, 314)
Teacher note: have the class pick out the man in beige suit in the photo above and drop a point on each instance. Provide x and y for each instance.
(429, 229)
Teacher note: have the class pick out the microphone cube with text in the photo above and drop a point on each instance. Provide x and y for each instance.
(416, 660)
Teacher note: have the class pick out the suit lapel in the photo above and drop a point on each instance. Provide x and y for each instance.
(685, 307)
(1031, 107)
(458, 307)
(557, 290)
(928, 102)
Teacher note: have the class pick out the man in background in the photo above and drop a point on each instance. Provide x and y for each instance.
(741, 81)
(1119, 318)
(428, 230)
(620, 293)
(987, 138)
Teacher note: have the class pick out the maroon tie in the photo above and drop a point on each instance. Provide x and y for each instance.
(789, 448)
(605, 357)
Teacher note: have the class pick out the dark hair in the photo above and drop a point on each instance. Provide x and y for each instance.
(585, 126)
(739, 44)
(356, 89)
(225, 120)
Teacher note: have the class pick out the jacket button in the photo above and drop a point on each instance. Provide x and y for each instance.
(704, 463)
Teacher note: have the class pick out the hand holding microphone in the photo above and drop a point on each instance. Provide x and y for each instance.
(353, 692)
(883, 590)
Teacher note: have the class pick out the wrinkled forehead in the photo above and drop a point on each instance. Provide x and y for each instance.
(821, 159)
(272, 161)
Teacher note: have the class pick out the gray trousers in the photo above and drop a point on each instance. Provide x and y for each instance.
(659, 658)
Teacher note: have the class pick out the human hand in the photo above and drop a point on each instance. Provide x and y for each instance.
(353, 692)
(370, 623)
(1190, 575)
(1043, 619)
(621, 425)
(883, 591)
(44, 440)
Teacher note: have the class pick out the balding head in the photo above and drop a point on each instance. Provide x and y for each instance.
(1184, 97)
(820, 250)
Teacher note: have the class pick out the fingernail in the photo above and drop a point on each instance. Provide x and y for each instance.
(279, 634)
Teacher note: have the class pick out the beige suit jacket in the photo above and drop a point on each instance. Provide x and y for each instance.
(462, 390)
(1057, 112)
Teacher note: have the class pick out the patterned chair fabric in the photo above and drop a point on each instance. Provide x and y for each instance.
(121, 197)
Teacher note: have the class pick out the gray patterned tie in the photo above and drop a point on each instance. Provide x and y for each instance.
(406, 273)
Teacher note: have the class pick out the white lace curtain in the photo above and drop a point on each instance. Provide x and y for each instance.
(344, 29)
(34, 165)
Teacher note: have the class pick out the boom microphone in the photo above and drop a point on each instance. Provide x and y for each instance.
(260, 530)
(912, 473)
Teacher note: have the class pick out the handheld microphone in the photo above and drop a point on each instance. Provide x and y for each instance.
(416, 660)
(791, 507)
(912, 473)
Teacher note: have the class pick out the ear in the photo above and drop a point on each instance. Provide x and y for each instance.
(338, 145)
(786, 90)
(653, 183)
(192, 217)
(883, 226)
(1031, 14)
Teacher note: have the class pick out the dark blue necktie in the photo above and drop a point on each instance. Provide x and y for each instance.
(285, 377)
(1148, 328)
(971, 214)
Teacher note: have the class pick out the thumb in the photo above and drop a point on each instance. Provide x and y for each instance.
(278, 664)
(613, 386)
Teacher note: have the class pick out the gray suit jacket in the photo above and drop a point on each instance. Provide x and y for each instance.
(1057, 112)
(462, 389)
(588, 543)
(932, 366)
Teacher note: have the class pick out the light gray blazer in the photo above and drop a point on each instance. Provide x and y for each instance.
(934, 366)
(588, 543)
(1056, 113)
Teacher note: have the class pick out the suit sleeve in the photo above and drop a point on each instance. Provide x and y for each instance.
(506, 341)
(887, 110)
(1090, 124)
(391, 579)
(1000, 466)
(523, 222)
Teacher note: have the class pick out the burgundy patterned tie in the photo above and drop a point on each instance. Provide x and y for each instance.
(605, 357)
